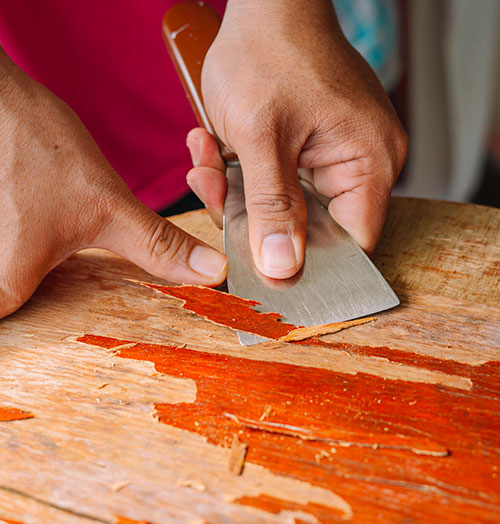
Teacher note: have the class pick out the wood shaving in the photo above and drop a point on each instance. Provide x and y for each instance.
(322, 454)
(124, 346)
(237, 457)
(117, 486)
(424, 447)
(266, 412)
(192, 483)
(314, 331)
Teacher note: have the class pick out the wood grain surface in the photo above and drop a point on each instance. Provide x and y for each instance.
(146, 412)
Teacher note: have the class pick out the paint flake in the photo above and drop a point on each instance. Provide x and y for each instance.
(118, 486)
(324, 329)
(192, 483)
(227, 310)
(124, 520)
(7, 414)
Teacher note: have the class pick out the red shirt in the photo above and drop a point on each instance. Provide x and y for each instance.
(107, 60)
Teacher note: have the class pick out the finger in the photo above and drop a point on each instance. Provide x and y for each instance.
(333, 180)
(276, 211)
(359, 198)
(159, 247)
(204, 149)
(361, 212)
(208, 178)
(210, 186)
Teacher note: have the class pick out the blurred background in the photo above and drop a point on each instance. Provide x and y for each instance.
(440, 64)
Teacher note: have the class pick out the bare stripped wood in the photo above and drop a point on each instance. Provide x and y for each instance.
(433, 363)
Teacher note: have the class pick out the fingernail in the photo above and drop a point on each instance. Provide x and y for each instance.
(207, 262)
(278, 253)
(194, 149)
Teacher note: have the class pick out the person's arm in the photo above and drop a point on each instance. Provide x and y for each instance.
(59, 194)
(284, 89)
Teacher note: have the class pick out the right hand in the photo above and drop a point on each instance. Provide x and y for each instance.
(58, 194)
(285, 90)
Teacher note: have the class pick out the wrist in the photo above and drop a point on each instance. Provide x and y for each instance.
(280, 12)
(283, 21)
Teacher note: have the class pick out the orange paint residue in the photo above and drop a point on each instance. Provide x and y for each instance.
(227, 310)
(10, 521)
(125, 520)
(376, 443)
(7, 414)
(215, 305)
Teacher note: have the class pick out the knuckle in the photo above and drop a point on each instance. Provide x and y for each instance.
(166, 241)
(263, 118)
(262, 122)
(277, 204)
(100, 203)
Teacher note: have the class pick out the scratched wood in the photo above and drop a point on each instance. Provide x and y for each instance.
(349, 429)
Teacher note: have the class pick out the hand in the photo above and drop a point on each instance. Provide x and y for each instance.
(59, 194)
(284, 89)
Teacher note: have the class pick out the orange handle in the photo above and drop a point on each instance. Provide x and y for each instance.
(189, 28)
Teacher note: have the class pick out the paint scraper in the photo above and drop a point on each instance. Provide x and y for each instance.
(338, 281)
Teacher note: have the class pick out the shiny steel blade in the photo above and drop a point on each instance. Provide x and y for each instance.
(338, 281)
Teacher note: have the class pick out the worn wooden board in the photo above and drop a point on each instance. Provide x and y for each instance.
(335, 431)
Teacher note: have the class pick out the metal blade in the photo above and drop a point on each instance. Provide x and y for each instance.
(338, 281)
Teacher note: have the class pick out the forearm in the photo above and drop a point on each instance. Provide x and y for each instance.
(7, 66)
(10, 79)
(8, 92)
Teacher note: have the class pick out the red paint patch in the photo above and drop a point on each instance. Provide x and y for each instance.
(214, 306)
(7, 414)
(352, 435)
(227, 310)
(484, 377)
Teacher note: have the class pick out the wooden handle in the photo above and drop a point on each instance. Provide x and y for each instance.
(189, 28)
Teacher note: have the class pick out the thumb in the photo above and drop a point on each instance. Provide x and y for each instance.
(160, 247)
(276, 211)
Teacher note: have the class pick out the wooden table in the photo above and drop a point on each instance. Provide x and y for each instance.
(393, 421)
